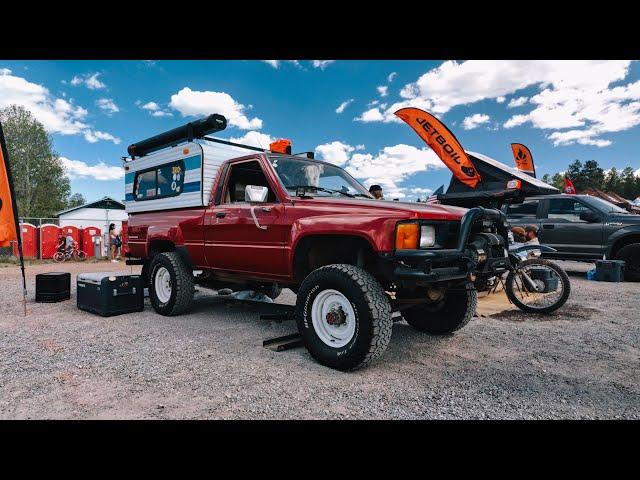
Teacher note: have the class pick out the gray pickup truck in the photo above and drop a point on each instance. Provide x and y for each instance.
(582, 227)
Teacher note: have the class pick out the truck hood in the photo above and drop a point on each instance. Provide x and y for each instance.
(385, 207)
(625, 219)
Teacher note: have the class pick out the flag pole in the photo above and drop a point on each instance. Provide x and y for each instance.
(5, 154)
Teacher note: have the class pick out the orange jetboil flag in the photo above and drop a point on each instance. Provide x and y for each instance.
(443, 142)
(524, 159)
(7, 219)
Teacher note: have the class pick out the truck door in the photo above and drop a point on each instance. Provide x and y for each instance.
(572, 227)
(246, 237)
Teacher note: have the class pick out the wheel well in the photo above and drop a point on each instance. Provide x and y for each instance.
(315, 251)
(623, 242)
(160, 246)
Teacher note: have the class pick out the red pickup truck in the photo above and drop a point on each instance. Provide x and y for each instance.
(272, 220)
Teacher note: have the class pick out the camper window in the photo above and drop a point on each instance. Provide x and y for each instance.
(160, 182)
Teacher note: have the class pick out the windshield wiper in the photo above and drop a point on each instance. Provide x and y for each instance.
(304, 188)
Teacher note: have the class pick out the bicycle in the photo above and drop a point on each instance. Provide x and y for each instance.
(62, 255)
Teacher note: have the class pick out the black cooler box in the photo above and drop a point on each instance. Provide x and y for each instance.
(110, 294)
(609, 270)
(53, 287)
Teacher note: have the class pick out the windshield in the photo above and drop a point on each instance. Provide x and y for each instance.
(605, 206)
(319, 179)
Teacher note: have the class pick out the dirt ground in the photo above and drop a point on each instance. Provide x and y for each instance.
(59, 362)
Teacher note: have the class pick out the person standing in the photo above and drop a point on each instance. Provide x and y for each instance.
(114, 242)
(376, 191)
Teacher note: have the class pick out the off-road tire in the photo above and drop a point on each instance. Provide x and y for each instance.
(370, 304)
(631, 256)
(564, 278)
(446, 316)
(182, 288)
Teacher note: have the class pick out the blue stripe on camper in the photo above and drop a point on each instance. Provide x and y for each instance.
(191, 163)
(191, 187)
(129, 197)
(128, 177)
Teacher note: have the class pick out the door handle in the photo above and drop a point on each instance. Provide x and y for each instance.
(266, 209)
(548, 226)
(221, 214)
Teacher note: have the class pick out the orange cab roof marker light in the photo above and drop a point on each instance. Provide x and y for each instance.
(281, 146)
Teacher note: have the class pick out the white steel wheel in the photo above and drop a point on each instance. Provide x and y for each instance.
(333, 318)
(162, 284)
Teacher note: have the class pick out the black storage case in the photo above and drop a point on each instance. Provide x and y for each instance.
(53, 287)
(110, 294)
(610, 270)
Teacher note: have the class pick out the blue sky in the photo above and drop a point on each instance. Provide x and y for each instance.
(562, 110)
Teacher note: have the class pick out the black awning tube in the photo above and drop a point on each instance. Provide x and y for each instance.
(196, 129)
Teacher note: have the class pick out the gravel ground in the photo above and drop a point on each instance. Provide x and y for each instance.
(59, 362)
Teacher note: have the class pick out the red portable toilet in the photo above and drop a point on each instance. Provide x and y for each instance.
(74, 232)
(88, 238)
(124, 236)
(49, 240)
(29, 234)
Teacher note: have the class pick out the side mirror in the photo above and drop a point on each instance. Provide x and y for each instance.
(255, 194)
(589, 216)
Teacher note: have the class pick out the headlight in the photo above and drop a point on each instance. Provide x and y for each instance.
(427, 236)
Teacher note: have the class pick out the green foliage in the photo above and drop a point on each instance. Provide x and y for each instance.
(40, 183)
(76, 200)
(591, 175)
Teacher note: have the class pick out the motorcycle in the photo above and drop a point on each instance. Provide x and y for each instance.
(534, 285)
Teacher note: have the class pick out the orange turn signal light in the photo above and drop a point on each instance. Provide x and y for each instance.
(407, 236)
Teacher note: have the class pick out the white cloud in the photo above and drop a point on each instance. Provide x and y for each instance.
(391, 76)
(100, 171)
(5, 71)
(474, 121)
(89, 80)
(161, 113)
(500, 99)
(583, 137)
(255, 139)
(392, 165)
(193, 102)
(107, 105)
(372, 115)
(387, 168)
(572, 94)
(335, 152)
(93, 136)
(517, 102)
(56, 114)
(153, 106)
(154, 109)
(382, 90)
(321, 64)
(343, 105)
(273, 63)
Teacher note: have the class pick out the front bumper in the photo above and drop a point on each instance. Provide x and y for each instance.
(429, 266)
